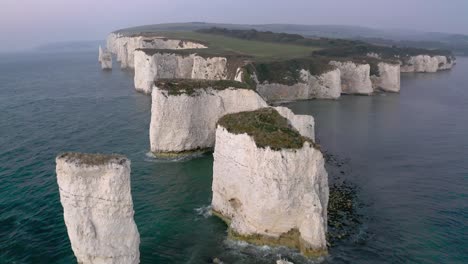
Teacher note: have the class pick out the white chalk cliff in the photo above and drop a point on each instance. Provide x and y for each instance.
(445, 63)
(98, 209)
(150, 67)
(186, 122)
(276, 197)
(426, 63)
(100, 53)
(389, 77)
(124, 46)
(355, 77)
(323, 86)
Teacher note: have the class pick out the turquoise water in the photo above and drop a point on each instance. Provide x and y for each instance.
(406, 153)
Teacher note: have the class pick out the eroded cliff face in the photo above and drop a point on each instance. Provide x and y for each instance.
(273, 197)
(426, 63)
(183, 123)
(388, 79)
(98, 208)
(355, 77)
(420, 63)
(124, 47)
(445, 63)
(151, 67)
(324, 86)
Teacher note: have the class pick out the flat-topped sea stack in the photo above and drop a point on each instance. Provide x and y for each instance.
(98, 209)
(124, 45)
(184, 113)
(385, 76)
(297, 79)
(355, 77)
(269, 182)
(154, 64)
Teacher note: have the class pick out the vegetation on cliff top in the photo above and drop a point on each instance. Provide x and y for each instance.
(260, 50)
(190, 86)
(279, 57)
(267, 127)
(92, 159)
(326, 47)
(287, 72)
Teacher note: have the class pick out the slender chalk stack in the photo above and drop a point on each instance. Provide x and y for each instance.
(98, 208)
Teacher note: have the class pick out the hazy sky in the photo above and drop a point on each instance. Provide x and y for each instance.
(26, 23)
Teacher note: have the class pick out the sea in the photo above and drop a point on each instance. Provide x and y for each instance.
(404, 154)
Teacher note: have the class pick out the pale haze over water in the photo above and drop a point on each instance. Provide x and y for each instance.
(28, 23)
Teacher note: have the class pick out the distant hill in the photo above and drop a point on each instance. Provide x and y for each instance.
(401, 37)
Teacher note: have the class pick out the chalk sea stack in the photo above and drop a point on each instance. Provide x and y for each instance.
(269, 182)
(386, 76)
(106, 60)
(355, 77)
(184, 113)
(98, 208)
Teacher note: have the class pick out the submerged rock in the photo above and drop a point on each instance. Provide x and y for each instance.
(355, 77)
(184, 113)
(269, 182)
(98, 209)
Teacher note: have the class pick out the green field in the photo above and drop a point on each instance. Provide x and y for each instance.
(261, 50)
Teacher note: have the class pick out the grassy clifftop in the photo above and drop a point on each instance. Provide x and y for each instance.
(190, 86)
(260, 50)
(266, 126)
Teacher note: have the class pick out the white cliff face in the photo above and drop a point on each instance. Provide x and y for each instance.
(355, 77)
(239, 75)
(124, 47)
(181, 123)
(420, 63)
(388, 79)
(426, 63)
(106, 60)
(98, 208)
(445, 63)
(324, 86)
(151, 67)
(271, 194)
(100, 53)
(305, 124)
(213, 68)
